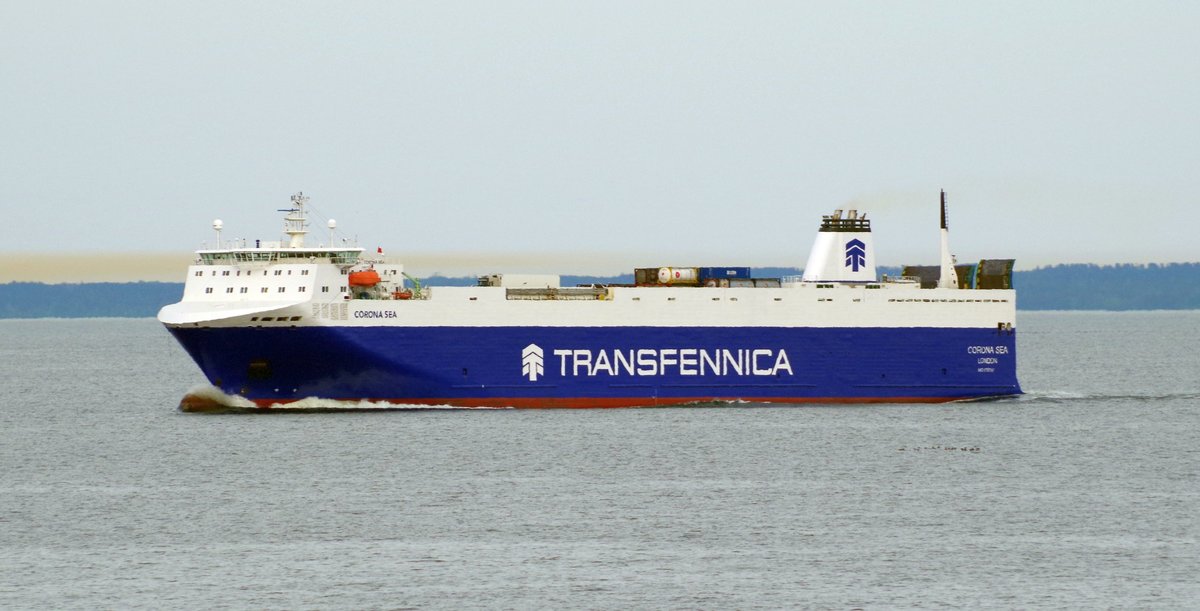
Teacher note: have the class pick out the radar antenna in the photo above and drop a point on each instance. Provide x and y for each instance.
(295, 223)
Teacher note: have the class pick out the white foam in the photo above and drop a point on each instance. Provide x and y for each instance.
(207, 393)
(322, 403)
(1052, 395)
(217, 396)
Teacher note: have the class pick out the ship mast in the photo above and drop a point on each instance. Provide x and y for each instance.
(948, 278)
(294, 223)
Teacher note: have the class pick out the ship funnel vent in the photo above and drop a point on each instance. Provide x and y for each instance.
(843, 250)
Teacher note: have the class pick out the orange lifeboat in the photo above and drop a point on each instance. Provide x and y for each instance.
(364, 278)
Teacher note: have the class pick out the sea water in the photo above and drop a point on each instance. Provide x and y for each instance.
(1082, 493)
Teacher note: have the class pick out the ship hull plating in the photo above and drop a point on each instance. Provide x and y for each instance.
(535, 367)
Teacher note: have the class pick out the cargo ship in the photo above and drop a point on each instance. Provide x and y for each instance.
(274, 323)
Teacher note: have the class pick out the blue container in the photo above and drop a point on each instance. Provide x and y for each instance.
(719, 273)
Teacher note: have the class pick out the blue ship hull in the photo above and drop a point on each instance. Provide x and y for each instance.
(604, 366)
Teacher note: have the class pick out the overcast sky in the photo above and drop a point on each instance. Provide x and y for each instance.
(643, 132)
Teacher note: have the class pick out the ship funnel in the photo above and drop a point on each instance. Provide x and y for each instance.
(843, 250)
(948, 279)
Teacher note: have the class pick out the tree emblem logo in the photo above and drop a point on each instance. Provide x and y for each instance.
(856, 254)
(531, 362)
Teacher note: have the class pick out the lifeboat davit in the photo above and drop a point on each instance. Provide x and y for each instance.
(367, 277)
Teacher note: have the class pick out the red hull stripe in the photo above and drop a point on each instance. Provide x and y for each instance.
(616, 402)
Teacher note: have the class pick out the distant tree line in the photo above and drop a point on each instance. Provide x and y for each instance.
(1081, 286)
(89, 300)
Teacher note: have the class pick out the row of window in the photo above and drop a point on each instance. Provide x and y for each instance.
(714, 299)
(833, 286)
(278, 272)
(336, 256)
(267, 289)
(949, 300)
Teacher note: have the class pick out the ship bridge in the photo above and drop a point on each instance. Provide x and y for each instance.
(336, 256)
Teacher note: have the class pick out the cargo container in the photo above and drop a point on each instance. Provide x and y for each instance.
(707, 273)
(645, 276)
(679, 276)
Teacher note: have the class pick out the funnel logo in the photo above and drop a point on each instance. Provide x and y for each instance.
(531, 362)
(856, 254)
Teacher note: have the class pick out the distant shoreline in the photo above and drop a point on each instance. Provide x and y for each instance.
(1071, 287)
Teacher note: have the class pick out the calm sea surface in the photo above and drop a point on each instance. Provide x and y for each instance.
(1083, 493)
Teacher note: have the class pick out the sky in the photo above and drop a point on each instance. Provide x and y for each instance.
(590, 137)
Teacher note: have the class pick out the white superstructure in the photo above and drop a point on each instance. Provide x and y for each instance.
(298, 285)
